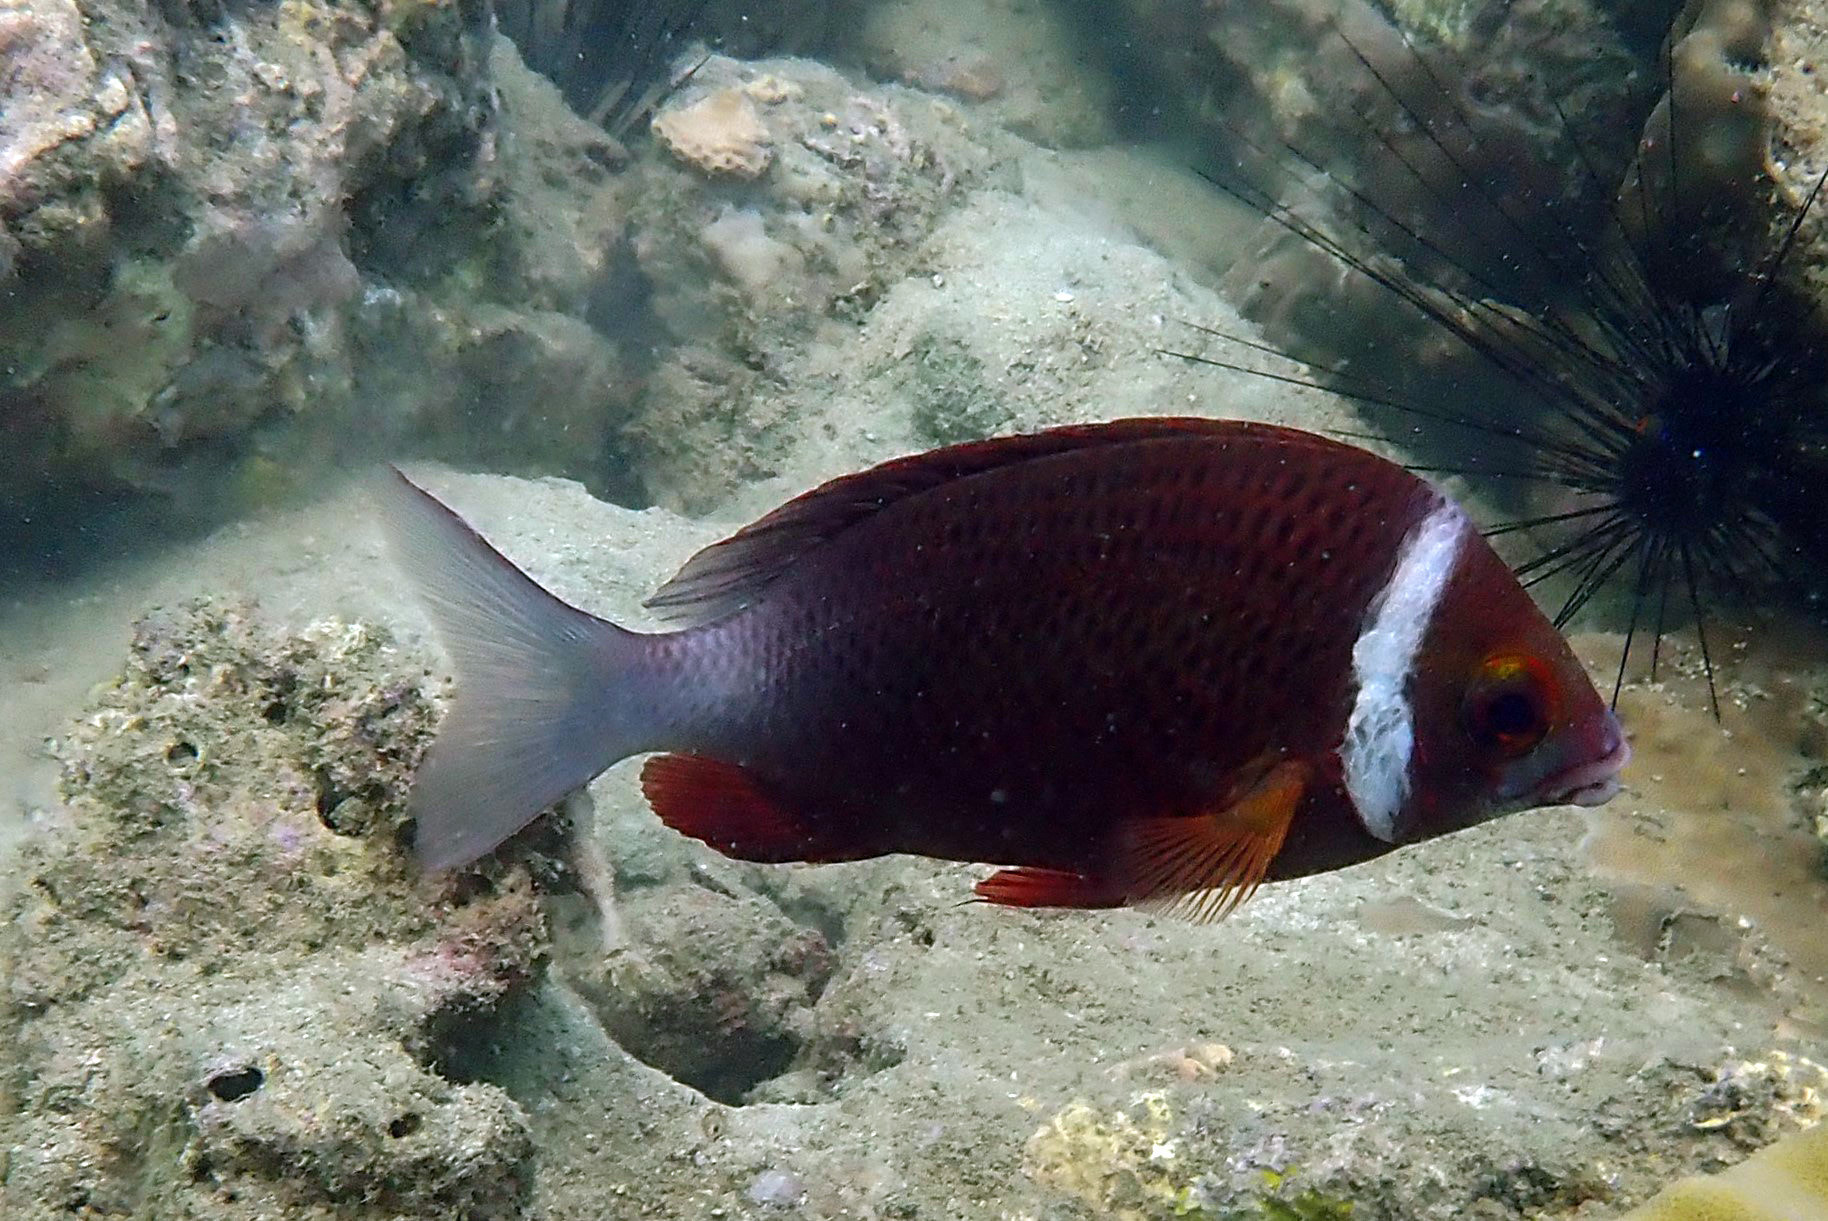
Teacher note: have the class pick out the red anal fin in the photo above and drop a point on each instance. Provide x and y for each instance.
(722, 805)
(1034, 887)
(1203, 866)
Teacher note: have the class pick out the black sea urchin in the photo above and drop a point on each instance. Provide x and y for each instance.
(1657, 379)
(612, 59)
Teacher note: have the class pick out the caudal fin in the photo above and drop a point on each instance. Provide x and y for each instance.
(544, 696)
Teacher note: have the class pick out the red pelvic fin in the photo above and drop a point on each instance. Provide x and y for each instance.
(723, 805)
(1203, 866)
(1032, 887)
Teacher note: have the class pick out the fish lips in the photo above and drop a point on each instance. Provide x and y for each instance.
(1594, 782)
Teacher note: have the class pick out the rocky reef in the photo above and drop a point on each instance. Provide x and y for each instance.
(195, 204)
(226, 993)
(1463, 145)
(241, 246)
(229, 993)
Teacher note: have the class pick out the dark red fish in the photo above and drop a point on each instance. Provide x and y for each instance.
(1153, 660)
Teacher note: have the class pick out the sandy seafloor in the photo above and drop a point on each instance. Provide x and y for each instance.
(1526, 1019)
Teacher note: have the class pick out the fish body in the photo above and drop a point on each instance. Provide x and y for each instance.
(1147, 661)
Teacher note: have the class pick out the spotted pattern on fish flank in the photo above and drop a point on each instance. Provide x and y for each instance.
(1164, 608)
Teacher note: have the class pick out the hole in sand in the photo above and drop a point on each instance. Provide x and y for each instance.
(236, 1084)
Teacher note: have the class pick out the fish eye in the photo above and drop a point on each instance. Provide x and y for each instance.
(1509, 704)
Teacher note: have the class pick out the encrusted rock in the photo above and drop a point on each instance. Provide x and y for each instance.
(226, 944)
(715, 989)
(70, 130)
(240, 241)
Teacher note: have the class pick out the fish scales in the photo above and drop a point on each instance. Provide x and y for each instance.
(1157, 606)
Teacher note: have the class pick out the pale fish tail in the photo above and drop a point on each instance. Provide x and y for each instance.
(547, 696)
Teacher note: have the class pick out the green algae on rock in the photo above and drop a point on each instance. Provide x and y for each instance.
(227, 992)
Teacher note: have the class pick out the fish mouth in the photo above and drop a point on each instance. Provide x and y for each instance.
(1593, 783)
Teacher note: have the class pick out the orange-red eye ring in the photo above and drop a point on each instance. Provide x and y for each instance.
(1510, 703)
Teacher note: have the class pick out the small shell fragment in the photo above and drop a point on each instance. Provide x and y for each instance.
(720, 133)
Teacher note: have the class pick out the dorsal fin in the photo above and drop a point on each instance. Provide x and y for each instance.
(727, 576)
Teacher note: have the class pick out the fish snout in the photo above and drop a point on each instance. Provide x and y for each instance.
(1594, 781)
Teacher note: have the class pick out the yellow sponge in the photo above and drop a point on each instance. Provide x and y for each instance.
(1786, 1182)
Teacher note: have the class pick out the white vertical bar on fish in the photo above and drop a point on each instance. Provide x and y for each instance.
(1380, 732)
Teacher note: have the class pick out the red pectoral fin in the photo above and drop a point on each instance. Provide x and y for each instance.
(1203, 866)
(725, 806)
(1033, 887)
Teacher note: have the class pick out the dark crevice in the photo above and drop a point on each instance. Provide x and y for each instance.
(236, 1084)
